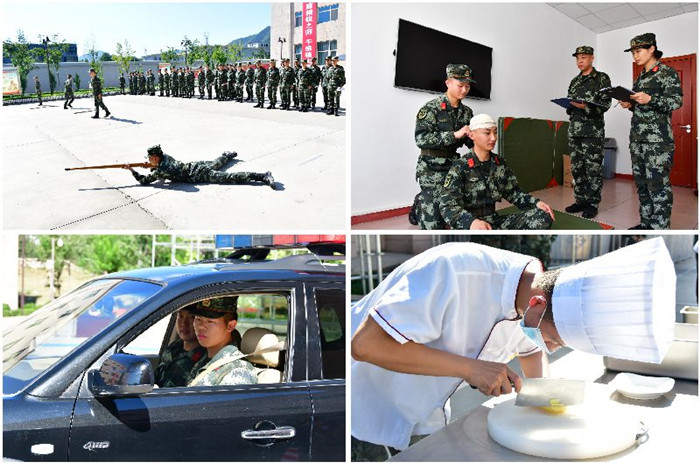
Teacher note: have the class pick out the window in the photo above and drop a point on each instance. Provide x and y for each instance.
(297, 52)
(327, 13)
(297, 19)
(330, 304)
(267, 311)
(325, 49)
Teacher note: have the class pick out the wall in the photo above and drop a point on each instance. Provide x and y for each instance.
(676, 36)
(530, 67)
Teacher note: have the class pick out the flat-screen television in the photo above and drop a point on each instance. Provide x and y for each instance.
(422, 54)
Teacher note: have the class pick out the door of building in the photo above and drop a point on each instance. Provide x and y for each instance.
(683, 122)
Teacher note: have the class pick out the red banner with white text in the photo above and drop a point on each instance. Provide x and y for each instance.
(309, 15)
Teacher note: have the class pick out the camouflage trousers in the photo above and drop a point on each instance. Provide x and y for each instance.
(272, 93)
(295, 95)
(260, 93)
(313, 92)
(239, 91)
(208, 171)
(430, 174)
(201, 90)
(587, 168)
(285, 95)
(305, 96)
(651, 166)
(99, 104)
(249, 90)
(209, 90)
(333, 97)
(533, 218)
(324, 89)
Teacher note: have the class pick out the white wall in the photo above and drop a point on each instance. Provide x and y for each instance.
(532, 63)
(676, 36)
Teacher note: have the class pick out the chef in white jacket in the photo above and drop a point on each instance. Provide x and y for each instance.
(460, 311)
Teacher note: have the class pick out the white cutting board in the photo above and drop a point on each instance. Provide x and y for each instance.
(596, 428)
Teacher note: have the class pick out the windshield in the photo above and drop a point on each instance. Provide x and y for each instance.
(41, 340)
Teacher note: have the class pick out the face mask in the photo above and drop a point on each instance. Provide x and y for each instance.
(535, 334)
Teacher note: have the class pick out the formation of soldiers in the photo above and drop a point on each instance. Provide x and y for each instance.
(249, 82)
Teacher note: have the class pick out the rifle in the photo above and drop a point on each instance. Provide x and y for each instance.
(120, 165)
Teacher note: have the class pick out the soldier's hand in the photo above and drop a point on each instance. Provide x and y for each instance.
(641, 97)
(480, 225)
(127, 167)
(463, 132)
(579, 105)
(545, 208)
(624, 104)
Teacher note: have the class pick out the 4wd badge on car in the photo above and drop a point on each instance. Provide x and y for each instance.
(92, 445)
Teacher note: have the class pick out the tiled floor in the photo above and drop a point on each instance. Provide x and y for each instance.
(619, 207)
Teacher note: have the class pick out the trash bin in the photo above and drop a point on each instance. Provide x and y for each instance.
(609, 158)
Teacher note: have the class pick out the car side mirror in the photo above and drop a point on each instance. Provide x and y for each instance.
(122, 375)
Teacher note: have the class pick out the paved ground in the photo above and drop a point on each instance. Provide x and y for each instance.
(304, 151)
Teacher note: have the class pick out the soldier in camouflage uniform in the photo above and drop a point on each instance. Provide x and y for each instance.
(166, 81)
(587, 132)
(336, 80)
(232, 82)
(201, 81)
(657, 93)
(240, 82)
(295, 88)
(286, 83)
(161, 81)
(222, 80)
(260, 81)
(97, 93)
(151, 83)
(249, 81)
(209, 80)
(305, 77)
(324, 82)
(273, 80)
(480, 179)
(442, 126)
(190, 82)
(37, 89)
(142, 84)
(224, 364)
(122, 83)
(179, 358)
(69, 92)
(166, 167)
(317, 77)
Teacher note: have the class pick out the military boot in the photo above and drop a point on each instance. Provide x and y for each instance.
(336, 112)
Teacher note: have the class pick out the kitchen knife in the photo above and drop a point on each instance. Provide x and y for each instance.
(540, 392)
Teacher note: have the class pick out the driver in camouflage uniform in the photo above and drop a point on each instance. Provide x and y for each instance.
(223, 364)
(657, 93)
(587, 133)
(166, 167)
(179, 358)
(442, 126)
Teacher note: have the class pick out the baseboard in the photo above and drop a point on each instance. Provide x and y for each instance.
(628, 177)
(378, 216)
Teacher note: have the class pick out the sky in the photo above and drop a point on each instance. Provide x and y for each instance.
(149, 27)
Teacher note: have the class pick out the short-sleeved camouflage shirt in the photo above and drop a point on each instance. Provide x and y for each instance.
(238, 371)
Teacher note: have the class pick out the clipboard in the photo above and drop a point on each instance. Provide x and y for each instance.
(619, 93)
(565, 102)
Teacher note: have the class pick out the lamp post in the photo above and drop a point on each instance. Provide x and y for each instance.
(46, 56)
(282, 41)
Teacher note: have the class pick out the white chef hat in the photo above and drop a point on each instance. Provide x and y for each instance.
(621, 304)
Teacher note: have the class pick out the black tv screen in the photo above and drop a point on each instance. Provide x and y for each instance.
(422, 54)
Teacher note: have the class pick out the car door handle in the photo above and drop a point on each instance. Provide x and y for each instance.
(687, 128)
(282, 432)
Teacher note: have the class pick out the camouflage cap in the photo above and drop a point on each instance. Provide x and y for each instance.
(460, 72)
(258, 62)
(334, 58)
(314, 59)
(155, 150)
(216, 308)
(642, 40)
(585, 49)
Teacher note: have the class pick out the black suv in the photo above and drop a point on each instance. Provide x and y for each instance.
(78, 373)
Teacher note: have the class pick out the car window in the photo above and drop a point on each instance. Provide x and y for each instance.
(56, 329)
(330, 305)
(175, 367)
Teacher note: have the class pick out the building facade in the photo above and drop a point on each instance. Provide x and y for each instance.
(70, 54)
(287, 30)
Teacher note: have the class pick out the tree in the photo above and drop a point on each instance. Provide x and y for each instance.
(94, 57)
(169, 56)
(124, 56)
(260, 54)
(106, 57)
(190, 47)
(218, 55)
(204, 51)
(77, 81)
(234, 52)
(21, 57)
(51, 54)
